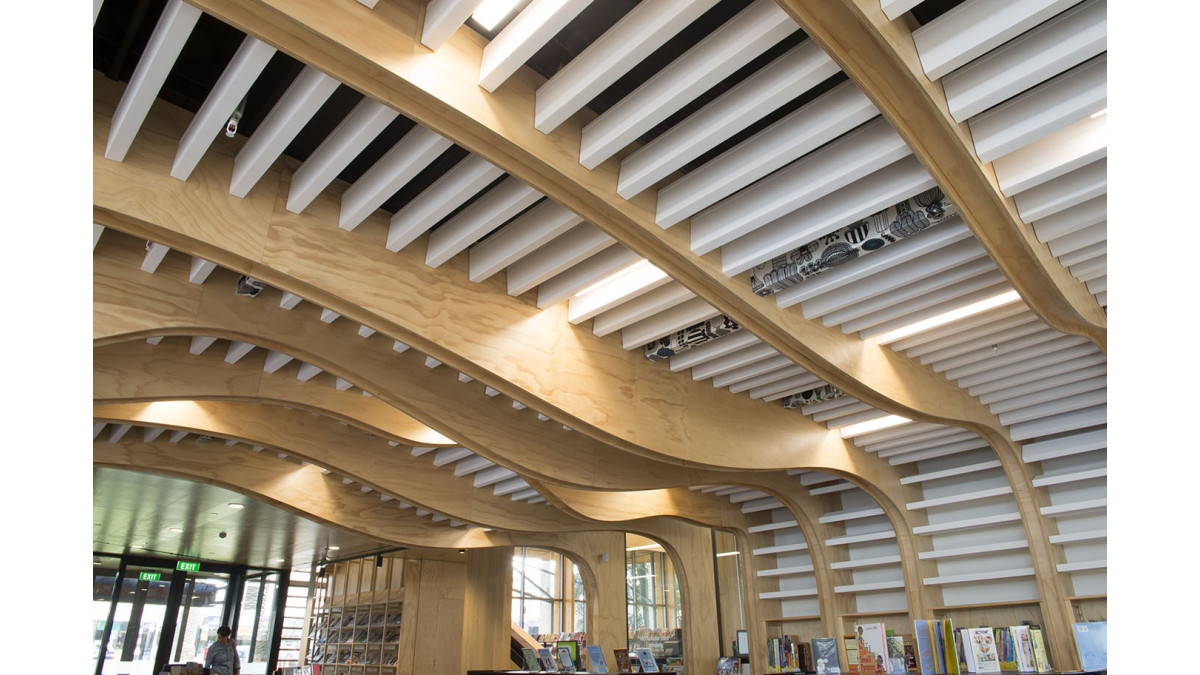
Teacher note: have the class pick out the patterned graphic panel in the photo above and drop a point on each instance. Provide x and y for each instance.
(841, 246)
(692, 336)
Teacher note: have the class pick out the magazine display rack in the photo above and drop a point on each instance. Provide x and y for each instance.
(357, 619)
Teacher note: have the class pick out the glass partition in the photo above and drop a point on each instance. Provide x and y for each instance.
(653, 604)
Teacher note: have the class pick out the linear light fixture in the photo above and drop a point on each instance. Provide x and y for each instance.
(1099, 113)
(490, 12)
(872, 425)
(728, 553)
(641, 273)
(947, 317)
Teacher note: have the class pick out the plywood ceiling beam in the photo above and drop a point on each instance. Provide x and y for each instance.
(380, 58)
(881, 58)
(135, 371)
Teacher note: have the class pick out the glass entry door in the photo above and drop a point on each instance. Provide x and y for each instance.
(200, 613)
(137, 620)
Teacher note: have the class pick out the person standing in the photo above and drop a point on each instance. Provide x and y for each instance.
(222, 658)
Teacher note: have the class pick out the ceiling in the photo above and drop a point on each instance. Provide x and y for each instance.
(131, 508)
(448, 278)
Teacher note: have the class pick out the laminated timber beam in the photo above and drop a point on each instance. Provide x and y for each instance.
(378, 53)
(881, 58)
(134, 371)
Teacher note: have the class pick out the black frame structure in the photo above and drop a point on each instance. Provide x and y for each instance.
(178, 579)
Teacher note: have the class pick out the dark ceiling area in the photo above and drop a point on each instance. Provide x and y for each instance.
(130, 509)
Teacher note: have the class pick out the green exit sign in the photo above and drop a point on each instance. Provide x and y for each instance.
(187, 566)
(149, 576)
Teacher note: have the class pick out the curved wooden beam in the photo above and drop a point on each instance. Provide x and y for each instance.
(881, 58)
(377, 54)
(347, 451)
(129, 372)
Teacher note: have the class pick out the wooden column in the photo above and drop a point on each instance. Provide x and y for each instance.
(487, 609)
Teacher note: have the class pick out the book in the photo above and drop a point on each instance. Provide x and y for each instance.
(1023, 649)
(621, 657)
(546, 659)
(1039, 650)
(951, 648)
(1006, 650)
(910, 656)
(531, 659)
(897, 664)
(729, 665)
(646, 660)
(938, 631)
(566, 664)
(596, 663)
(982, 644)
(1091, 639)
(825, 656)
(924, 639)
(851, 644)
(968, 658)
(872, 648)
(804, 653)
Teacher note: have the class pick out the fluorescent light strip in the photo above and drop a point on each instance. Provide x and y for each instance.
(727, 554)
(641, 267)
(490, 12)
(1099, 113)
(953, 315)
(872, 425)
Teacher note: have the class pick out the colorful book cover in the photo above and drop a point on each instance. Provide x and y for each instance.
(825, 656)
(983, 650)
(1040, 653)
(1006, 650)
(851, 645)
(729, 665)
(964, 648)
(1023, 649)
(566, 664)
(938, 630)
(872, 648)
(1091, 639)
(572, 646)
(545, 658)
(646, 660)
(910, 656)
(951, 648)
(924, 639)
(804, 650)
(531, 660)
(897, 664)
(621, 656)
(596, 662)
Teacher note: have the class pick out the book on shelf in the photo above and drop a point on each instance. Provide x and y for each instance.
(951, 646)
(982, 644)
(531, 659)
(897, 664)
(963, 639)
(572, 647)
(1006, 650)
(872, 648)
(546, 659)
(825, 656)
(621, 657)
(910, 656)
(937, 630)
(1040, 653)
(1023, 649)
(850, 644)
(646, 660)
(729, 665)
(566, 663)
(596, 663)
(1091, 640)
(923, 636)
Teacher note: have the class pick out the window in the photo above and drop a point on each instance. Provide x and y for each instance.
(545, 600)
(652, 591)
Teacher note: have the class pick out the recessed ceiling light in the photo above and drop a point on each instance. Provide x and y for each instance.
(235, 505)
(947, 317)
(334, 548)
(177, 530)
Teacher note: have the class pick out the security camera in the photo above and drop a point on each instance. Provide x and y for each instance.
(232, 125)
(223, 535)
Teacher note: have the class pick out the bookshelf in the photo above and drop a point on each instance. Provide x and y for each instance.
(357, 618)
